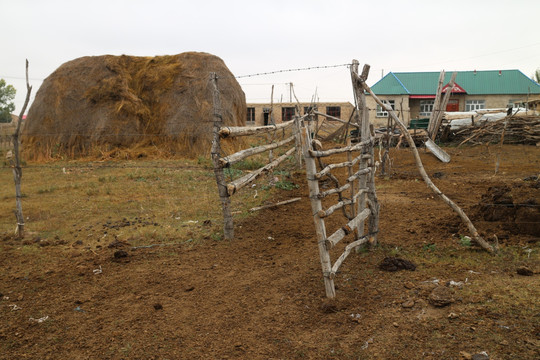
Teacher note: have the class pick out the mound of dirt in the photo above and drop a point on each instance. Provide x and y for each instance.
(117, 102)
(516, 207)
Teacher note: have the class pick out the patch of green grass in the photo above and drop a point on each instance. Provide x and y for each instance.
(47, 190)
(248, 164)
(429, 247)
(205, 162)
(285, 185)
(232, 173)
(465, 241)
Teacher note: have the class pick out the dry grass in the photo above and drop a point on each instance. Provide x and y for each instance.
(144, 202)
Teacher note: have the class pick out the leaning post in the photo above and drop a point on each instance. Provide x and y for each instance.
(16, 163)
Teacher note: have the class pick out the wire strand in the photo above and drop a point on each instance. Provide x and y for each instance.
(293, 70)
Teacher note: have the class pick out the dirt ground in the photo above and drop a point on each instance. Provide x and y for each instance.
(261, 296)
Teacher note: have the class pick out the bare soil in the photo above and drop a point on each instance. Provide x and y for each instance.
(261, 296)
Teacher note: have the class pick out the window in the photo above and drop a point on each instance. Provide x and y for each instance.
(334, 111)
(383, 113)
(250, 116)
(287, 113)
(308, 108)
(472, 105)
(426, 107)
(516, 104)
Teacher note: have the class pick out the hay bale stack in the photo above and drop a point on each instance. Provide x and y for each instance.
(112, 104)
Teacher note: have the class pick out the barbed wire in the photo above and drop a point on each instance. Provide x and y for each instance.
(293, 70)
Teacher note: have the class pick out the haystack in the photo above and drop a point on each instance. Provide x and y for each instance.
(110, 104)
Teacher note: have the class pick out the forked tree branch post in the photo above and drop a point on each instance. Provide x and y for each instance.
(228, 227)
(472, 229)
(16, 163)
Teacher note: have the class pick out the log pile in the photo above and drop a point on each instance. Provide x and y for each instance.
(519, 130)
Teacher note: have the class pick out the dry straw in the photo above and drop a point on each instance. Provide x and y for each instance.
(131, 106)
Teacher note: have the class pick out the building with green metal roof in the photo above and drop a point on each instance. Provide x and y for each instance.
(414, 92)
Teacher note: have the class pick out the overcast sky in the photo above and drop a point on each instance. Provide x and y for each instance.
(262, 36)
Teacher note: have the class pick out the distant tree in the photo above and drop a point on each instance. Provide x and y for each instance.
(537, 75)
(7, 94)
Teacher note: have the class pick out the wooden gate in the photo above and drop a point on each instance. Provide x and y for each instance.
(357, 193)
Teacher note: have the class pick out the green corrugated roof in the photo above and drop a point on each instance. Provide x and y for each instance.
(509, 82)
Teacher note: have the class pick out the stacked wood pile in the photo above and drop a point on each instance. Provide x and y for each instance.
(517, 130)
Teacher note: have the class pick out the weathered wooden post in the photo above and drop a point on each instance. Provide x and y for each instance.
(16, 162)
(298, 142)
(363, 122)
(228, 227)
(435, 120)
(316, 208)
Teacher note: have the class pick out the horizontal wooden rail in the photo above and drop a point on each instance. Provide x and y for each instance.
(338, 190)
(239, 183)
(240, 155)
(336, 237)
(346, 253)
(330, 167)
(339, 205)
(359, 173)
(355, 147)
(252, 130)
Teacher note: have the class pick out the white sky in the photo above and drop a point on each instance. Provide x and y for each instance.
(261, 36)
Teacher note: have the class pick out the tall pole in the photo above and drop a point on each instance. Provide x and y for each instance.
(228, 227)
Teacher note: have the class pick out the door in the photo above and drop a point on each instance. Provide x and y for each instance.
(453, 105)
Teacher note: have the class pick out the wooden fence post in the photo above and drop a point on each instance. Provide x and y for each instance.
(228, 227)
(363, 122)
(298, 142)
(316, 208)
(16, 162)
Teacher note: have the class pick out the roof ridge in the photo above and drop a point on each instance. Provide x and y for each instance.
(400, 83)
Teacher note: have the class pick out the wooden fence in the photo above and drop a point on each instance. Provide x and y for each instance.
(227, 189)
(357, 194)
(356, 198)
